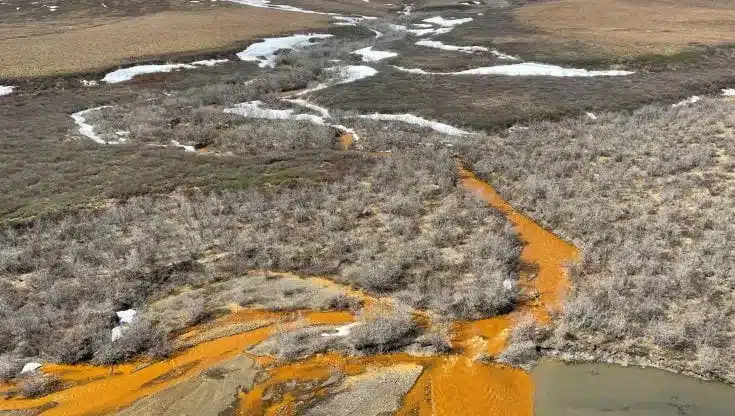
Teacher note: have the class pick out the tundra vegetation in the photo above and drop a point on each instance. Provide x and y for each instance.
(647, 196)
(399, 227)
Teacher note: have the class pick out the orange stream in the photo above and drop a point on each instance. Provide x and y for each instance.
(448, 385)
(452, 384)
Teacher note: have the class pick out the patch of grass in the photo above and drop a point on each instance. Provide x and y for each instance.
(494, 102)
(61, 178)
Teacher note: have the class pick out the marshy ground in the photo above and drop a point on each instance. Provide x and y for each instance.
(352, 207)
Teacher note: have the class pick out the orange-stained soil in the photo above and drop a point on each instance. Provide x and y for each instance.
(449, 384)
(346, 140)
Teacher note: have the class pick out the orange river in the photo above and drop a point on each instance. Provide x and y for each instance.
(450, 384)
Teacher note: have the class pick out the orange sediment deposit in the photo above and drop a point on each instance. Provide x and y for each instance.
(100, 389)
(447, 384)
(481, 337)
(123, 384)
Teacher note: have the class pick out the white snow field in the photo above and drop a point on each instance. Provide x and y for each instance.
(254, 109)
(369, 55)
(264, 52)
(86, 129)
(126, 74)
(525, 69)
(440, 45)
(418, 121)
(690, 100)
(6, 90)
(440, 21)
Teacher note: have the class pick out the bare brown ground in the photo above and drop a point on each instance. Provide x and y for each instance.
(77, 46)
(629, 27)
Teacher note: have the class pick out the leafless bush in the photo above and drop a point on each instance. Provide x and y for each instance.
(521, 354)
(9, 368)
(647, 197)
(383, 331)
(63, 279)
(140, 337)
(304, 342)
(216, 372)
(39, 385)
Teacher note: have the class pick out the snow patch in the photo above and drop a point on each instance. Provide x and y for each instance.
(422, 25)
(439, 45)
(501, 55)
(378, 34)
(440, 21)
(517, 128)
(126, 74)
(342, 331)
(728, 92)
(347, 20)
(352, 73)
(346, 130)
(369, 55)
(323, 112)
(418, 121)
(210, 62)
(6, 89)
(126, 316)
(264, 52)
(253, 109)
(30, 367)
(425, 32)
(524, 69)
(186, 148)
(690, 100)
(86, 129)
(266, 4)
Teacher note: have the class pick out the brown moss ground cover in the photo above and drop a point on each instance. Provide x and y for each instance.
(633, 28)
(92, 47)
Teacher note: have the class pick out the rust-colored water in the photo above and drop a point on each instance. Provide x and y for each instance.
(100, 389)
(449, 384)
(542, 248)
(453, 384)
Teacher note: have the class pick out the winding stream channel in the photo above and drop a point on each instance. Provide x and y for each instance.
(446, 383)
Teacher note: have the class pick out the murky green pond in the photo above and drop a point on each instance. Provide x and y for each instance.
(609, 390)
